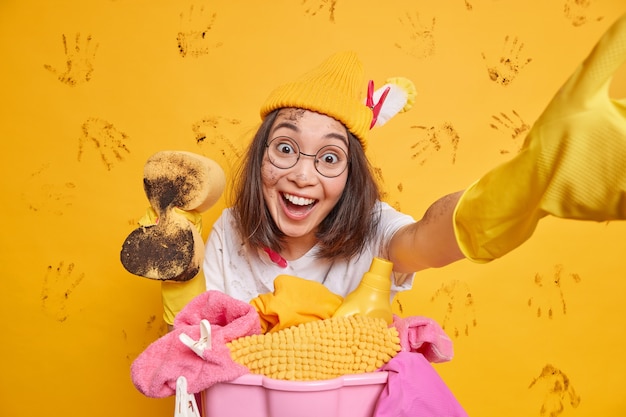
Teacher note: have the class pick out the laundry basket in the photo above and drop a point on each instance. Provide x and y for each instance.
(254, 395)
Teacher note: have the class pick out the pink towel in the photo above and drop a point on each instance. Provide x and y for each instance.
(414, 388)
(425, 336)
(157, 368)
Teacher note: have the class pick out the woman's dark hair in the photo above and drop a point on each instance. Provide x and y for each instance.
(344, 231)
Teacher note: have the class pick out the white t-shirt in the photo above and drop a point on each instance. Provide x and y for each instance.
(244, 273)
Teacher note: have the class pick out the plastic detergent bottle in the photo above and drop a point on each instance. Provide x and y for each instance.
(373, 295)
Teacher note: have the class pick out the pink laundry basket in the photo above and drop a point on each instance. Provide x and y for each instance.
(258, 396)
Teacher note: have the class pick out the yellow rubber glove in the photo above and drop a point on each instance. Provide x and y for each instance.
(294, 301)
(175, 295)
(572, 164)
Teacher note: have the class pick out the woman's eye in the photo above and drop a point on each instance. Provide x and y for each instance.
(329, 158)
(285, 148)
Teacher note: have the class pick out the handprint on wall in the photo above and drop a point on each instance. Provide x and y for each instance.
(516, 128)
(509, 64)
(384, 194)
(380, 178)
(106, 138)
(194, 39)
(153, 330)
(550, 298)
(421, 43)
(313, 7)
(214, 135)
(558, 391)
(396, 204)
(460, 313)
(41, 196)
(58, 285)
(79, 61)
(433, 140)
(576, 11)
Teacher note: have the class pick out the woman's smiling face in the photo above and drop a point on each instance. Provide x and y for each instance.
(299, 198)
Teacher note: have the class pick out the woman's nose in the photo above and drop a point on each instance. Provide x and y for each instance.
(304, 172)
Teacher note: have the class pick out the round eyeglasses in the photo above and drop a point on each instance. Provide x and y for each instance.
(284, 152)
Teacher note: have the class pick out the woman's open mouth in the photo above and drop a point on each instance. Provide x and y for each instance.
(298, 205)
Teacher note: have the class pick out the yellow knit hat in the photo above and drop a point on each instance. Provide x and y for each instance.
(335, 88)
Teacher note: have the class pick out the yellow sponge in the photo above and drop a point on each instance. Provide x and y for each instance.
(318, 350)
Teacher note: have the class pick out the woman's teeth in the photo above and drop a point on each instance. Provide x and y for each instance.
(299, 201)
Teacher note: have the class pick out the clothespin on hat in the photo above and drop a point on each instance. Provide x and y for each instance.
(396, 96)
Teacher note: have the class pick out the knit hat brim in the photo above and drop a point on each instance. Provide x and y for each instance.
(335, 88)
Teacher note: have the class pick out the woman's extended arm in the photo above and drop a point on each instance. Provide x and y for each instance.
(430, 242)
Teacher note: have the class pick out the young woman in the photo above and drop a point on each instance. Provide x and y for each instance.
(306, 203)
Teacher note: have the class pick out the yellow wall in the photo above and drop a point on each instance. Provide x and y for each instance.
(540, 329)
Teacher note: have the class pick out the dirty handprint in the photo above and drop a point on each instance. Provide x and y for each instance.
(79, 61)
(576, 11)
(194, 39)
(58, 285)
(509, 64)
(42, 196)
(558, 391)
(433, 140)
(516, 128)
(460, 314)
(214, 134)
(550, 295)
(421, 37)
(313, 7)
(139, 341)
(108, 141)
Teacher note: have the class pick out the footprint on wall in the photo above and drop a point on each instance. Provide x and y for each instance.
(106, 139)
(420, 36)
(194, 39)
(513, 126)
(314, 7)
(506, 68)
(460, 313)
(558, 389)
(434, 140)
(577, 12)
(550, 299)
(59, 284)
(79, 60)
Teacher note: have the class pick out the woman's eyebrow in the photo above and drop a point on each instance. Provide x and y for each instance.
(286, 125)
(343, 138)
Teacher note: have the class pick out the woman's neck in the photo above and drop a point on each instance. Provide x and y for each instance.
(296, 247)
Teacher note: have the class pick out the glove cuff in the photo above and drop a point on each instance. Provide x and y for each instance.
(176, 295)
